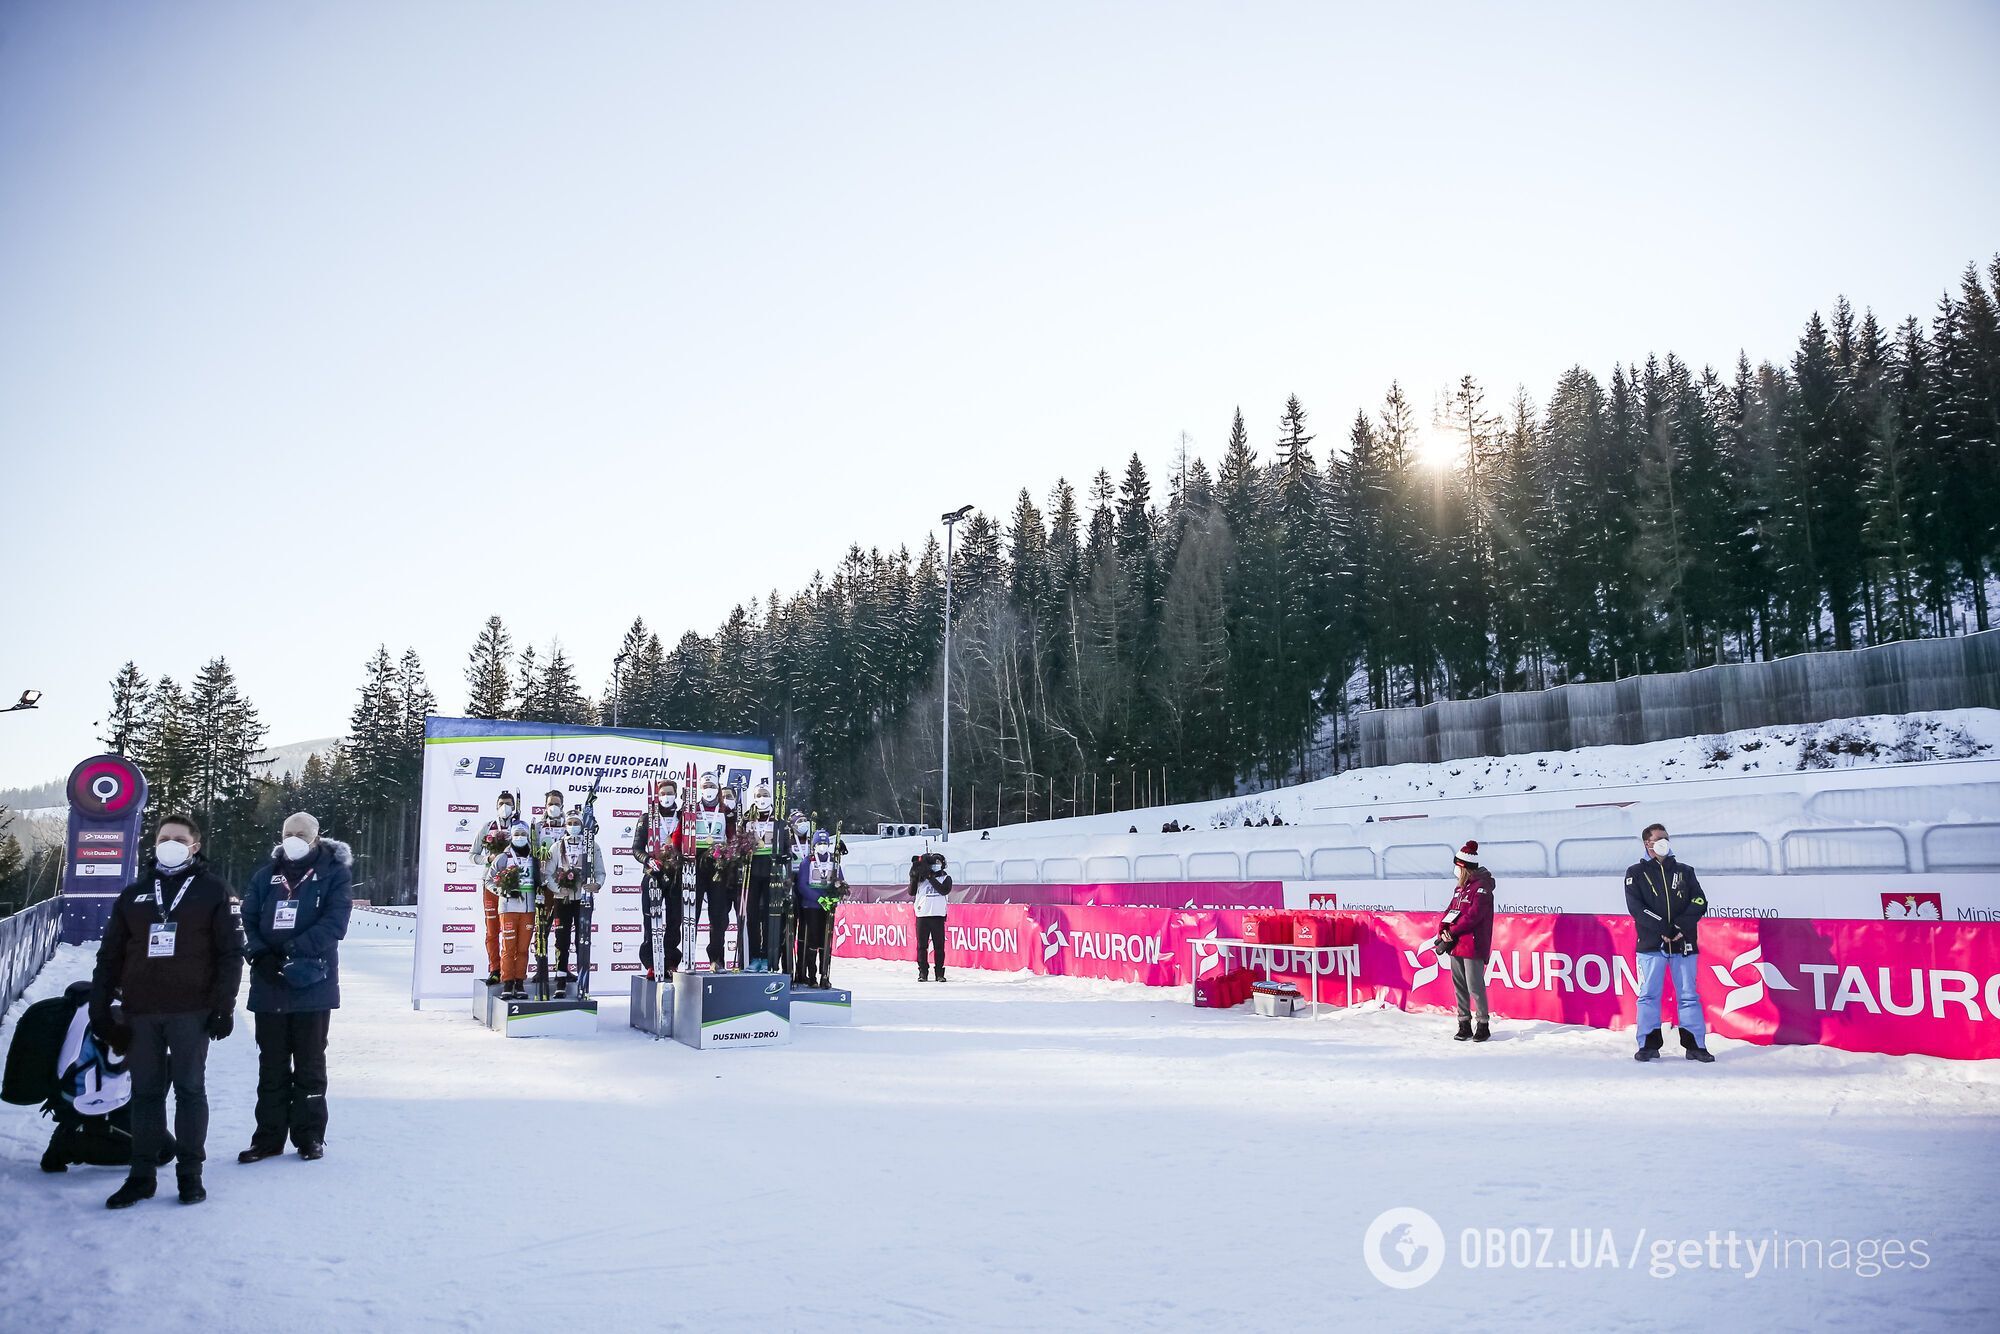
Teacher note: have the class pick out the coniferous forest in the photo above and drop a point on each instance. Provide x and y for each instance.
(1132, 637)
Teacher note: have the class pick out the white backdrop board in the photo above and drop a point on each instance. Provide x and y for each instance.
(468, 762)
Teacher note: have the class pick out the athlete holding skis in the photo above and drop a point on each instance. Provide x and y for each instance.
(660, 845)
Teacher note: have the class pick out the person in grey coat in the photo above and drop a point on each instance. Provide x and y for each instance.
(295, 911)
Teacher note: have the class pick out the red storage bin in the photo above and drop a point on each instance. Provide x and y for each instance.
(1323, 929)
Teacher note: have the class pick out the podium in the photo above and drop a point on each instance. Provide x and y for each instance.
(652, 1007)
(567, 1016)
(814, 1005)
(723, 1010)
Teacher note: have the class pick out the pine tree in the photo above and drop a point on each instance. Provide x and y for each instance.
(490, 689)
(124, 725)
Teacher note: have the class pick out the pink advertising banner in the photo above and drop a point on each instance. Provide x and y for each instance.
(1895, 987)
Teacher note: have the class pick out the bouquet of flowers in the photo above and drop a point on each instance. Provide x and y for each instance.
(733, 854)
(566, 877)
(495, 841)
(508, 882)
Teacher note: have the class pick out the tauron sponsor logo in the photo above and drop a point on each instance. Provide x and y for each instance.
(625, 926)
(458, 847)
(101, 836)
(459, 889)
(622, 967)
(624, 889)
(454, 968)
(462, 806)
(1546, 970)
(887, 935)
(1758, 976)
(625, 815)
(458, 926)
(998, 939)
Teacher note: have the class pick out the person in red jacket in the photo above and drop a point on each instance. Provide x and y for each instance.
(1465, 933)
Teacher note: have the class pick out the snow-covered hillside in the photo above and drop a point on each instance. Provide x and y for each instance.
(1848, 743)
(1017, 1153)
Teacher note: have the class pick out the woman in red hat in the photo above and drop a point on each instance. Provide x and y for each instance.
(1465, 933)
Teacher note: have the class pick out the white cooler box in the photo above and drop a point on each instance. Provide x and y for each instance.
(1280, 1000)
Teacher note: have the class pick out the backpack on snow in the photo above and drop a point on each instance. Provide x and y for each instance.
(57, 1061)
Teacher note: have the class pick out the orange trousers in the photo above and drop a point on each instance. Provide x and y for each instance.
(491, 903)
(515, 930)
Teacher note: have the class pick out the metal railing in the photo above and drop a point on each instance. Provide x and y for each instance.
(27, 941)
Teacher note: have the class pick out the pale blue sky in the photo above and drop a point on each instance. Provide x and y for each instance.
(287, 290)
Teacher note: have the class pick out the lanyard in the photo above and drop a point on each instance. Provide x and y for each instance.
(291, 889)
(160, 903)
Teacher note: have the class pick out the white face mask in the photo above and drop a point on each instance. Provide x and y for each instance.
(1662, 849)
(575, 827)
(800, 827)
(295, 847)
(506, 812)
(707, 795)
(728, 799)
(171, 855)
(520, 840)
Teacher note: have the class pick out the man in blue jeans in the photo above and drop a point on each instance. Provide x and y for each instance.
(1666, 903)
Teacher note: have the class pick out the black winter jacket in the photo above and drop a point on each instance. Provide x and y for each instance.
(206, 966)
(1665, 899)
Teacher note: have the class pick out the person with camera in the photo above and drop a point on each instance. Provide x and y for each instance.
(930, 886)
(1665, 899)
(295, 912)
(163, 989)
(1465, 936)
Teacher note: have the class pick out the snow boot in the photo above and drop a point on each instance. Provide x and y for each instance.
(940, 974)
(312, 1151)
(134, 1190)
(492, 978)
(1464, 1033)
(190, 1188)
(1694, 1051)
(923, 976)
(257, 1153)
(1481, 1032)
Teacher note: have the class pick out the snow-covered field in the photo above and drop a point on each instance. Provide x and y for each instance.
(1006, 1152)
(1876, 740)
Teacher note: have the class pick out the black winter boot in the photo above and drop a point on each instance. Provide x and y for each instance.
(1694, 1051)
(257, 1153)
(1464, 1033)
(134, 1190)
(1481, 1032)
(55, 1158)
(191, 1191)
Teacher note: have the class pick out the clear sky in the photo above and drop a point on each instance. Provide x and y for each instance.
(323, 324)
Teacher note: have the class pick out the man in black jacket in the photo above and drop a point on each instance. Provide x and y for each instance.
(164, 987)
(1667, 905)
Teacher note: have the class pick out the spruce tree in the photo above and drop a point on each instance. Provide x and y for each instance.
(489, 687)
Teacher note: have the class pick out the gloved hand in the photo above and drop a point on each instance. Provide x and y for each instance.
(222, 1025)
(653, 865)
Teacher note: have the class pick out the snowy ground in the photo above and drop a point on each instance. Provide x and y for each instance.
(1879, 739)
(1007, 1152)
